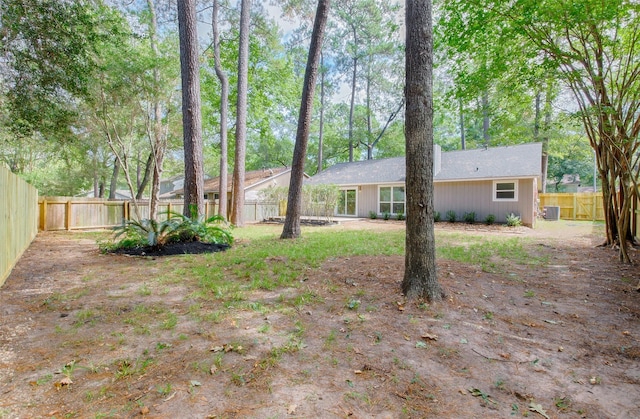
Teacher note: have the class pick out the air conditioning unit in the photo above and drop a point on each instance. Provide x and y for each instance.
(552, 213)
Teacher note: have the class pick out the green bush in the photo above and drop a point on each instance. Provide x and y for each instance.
(436, 216)
(451, 216)
(513, 220)
(176, 228)
(469, 217)
(373, 215)
(400, 217)
(386, 215)
(490, 219)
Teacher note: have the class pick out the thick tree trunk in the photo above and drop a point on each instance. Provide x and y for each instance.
(114, 179)
(420, 277)
(191, 117)
(224, 106)
(142, 184)
(237, 217)
(294, 203)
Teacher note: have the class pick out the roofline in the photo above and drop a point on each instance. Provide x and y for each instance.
(270, 178)
(436, 180)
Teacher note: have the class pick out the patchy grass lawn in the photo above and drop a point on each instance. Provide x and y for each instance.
(536, 323)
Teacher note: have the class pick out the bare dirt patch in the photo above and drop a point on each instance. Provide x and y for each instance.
(89, 335)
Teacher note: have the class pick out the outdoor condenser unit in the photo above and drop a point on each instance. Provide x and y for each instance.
(552, 213)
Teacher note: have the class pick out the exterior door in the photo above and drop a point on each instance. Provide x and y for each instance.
(347, 202)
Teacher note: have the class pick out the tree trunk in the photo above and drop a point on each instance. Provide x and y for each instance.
(114, 179)
(237, 216)
(142, 185)
(224, 106)
(294, 202)
(159, 142)
(368, 101)
(420, 280)
(353, 98)
(485, 118)
(321, 129)
(548, 101)
(191, 117)
(462, 140)
(94, 161)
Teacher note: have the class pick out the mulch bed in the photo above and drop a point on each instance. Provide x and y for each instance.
(181, 248)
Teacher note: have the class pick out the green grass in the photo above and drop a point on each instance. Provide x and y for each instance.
(260, 260)
(492, 254)
(263, 261)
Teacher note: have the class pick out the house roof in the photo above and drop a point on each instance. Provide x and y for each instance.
(251, 178)
(518, 161)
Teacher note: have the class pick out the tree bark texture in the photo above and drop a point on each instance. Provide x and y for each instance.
(321, 128)
(352, 104)
(224, 106)
(294, 203)
(237, 217)
(142, 184)
(191, 113)
(420, 277)
(159, 141)
(114, 179)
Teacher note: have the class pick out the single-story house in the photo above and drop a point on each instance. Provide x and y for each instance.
(254, 182)
(497, 181)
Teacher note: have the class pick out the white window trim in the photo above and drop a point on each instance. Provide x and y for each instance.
(399, 185)
(342, 190)
(515, 190)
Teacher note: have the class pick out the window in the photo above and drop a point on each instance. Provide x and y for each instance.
(346, 202)
(505, 190)
(391, 199)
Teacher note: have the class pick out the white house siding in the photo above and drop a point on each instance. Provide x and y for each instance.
(367, 200)
(463, 197)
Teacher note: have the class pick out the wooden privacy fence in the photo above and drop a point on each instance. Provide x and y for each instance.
(66, 213)
(18, 219)
(575, 206)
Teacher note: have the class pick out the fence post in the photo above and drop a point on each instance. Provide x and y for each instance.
(67, 215)
(594, 203)
(43, 215)
(575, 205)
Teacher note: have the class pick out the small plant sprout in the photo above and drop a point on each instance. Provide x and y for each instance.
(451, 216)
(513, 220)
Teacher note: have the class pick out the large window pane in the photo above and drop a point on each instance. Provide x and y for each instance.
(398, 194)
(341, 203)
(398, 207)
(385, 194)
(351, 202)
(385, 207)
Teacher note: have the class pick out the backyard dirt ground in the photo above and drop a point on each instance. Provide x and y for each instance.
(83, 334)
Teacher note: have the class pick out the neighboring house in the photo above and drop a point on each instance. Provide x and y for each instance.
(121, 194)
(498, 181)
(169, 186)
(254, 182)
